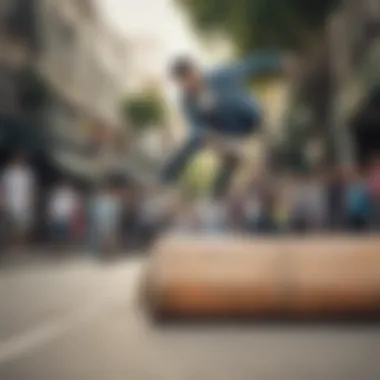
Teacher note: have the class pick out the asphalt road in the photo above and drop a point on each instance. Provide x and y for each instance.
(80, 320)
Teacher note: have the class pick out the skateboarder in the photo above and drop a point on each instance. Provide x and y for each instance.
(220, 112)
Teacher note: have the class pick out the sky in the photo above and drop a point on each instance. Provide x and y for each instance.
(159, 22)
(168, 27)
(158, 19)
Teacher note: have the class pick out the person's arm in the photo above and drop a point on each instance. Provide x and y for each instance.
(255, 65)
(199, 134)
(195, 125)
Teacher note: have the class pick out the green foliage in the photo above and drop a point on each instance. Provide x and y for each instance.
(144, 111)
(255, 24)
(199, 175)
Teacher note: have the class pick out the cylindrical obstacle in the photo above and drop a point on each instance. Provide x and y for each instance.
(231, 277)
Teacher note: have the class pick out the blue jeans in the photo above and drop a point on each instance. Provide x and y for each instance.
(60, 231)
(178, 163)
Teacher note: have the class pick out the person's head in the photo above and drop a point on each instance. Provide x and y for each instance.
(19, 160)
(186, 73)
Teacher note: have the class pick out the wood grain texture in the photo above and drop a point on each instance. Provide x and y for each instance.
(230, 276)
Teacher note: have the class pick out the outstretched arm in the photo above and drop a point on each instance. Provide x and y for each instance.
(255, 65)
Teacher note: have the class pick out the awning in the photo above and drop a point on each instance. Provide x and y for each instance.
(22, 134)
(26, 136)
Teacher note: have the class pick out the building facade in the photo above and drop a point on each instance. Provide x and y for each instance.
(81, 65)
(86, 63)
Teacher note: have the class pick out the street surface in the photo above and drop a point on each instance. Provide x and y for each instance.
(80, 320)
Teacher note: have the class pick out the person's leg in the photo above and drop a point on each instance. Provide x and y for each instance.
(352, 224)
(66, 233)
(19, 230)
(95, 237)
(53, 232)
(4, 232)
(375, 216)
(181, 158)
(224, 176)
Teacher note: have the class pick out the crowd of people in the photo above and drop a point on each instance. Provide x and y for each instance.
(64, 215)
(112, 216)
(345, 200)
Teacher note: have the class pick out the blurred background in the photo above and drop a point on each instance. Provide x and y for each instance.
(86, 103)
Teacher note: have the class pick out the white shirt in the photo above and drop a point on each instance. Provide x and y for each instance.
(63, 203)
(18, 184)
(107, 211)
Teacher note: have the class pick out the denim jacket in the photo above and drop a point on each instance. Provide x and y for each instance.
(236, 112)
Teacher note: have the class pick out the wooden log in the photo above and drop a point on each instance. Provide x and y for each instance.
(335, 277)
(231, 277)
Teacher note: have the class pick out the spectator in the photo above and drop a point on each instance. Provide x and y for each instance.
(335, 205)
(268, 195)
(317, 201)
(19, 189)
(185, 219)
(282, 210)
(236, 212)
(357, 202)
(154, 214)
(309, 204)
(131, 199)
(78, 223)
(62, 206)
(299, 205)
(3, 226)
(374, 192)
(212, 216)
(106, 218)
(253, 211)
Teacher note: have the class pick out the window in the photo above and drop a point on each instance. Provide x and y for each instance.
(66, 49)
(6, 8)
(64, 118)
(374, 8)
(85, 8)
(66, 34)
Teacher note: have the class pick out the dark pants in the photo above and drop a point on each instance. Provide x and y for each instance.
(60, 232)
(178, 163)
(375, 215)
(263, 225)
(4, 232)
(357, 223)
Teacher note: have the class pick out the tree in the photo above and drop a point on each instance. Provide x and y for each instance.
(256, 24)
(144, 111)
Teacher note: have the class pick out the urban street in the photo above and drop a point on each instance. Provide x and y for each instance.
(81, 319)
